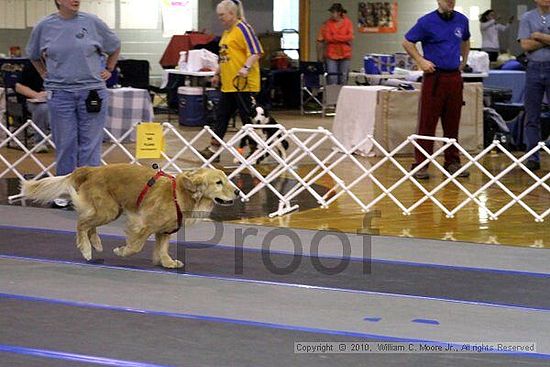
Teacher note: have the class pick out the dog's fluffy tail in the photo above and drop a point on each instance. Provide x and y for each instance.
(48, 189)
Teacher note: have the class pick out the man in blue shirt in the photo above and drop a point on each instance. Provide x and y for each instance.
(445, 38)
(534, 37)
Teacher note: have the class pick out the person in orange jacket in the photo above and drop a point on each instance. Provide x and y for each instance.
(334, 44)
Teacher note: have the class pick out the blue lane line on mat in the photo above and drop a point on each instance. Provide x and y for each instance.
(44, 353)
(372, 319)
(198, 245)
(426, 321)
(280, 284)
(249, 323)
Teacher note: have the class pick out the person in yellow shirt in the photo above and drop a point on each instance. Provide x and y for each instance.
(238, 69)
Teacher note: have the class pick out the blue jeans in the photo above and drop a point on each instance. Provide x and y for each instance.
(340, 67)
(77, 134)
(537, 83)
(40, 115)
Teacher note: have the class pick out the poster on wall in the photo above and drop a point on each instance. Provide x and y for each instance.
(377, 17)
(178, 17)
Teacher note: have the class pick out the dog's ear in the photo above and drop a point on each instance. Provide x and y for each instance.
(193, 182)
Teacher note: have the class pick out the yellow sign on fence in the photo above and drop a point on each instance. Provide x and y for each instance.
(149, 140)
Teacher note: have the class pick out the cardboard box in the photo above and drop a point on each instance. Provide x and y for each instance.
(397, 117)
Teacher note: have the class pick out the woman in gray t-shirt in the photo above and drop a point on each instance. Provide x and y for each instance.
(75, 53)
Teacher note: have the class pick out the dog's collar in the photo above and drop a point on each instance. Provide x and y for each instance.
(150, 183)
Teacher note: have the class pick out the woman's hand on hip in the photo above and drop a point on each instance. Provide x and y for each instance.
(105, 74)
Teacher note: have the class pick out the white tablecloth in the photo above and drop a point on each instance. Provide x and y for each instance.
(391, 115)
(411, 76)
(126, 107)
(355, 116)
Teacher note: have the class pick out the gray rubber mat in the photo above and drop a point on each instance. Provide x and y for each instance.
(169, 341)
(422, 280)
(18, 360)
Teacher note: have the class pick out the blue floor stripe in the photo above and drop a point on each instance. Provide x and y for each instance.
(251, 323)
(43, 353)
(426, 321)
(245, 249)
(280, 284)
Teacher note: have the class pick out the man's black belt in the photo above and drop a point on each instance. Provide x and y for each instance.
(439, 70)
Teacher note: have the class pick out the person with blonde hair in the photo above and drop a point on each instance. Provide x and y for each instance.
(238, 71)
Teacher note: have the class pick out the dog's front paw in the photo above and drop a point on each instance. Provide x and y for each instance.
(119, 251)
(86, 251)
(172, 264)
(87, 254)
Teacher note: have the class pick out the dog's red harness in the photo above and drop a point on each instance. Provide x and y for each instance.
(150, 183)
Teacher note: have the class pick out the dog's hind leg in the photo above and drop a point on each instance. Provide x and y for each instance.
(83, 241)
(95, 240)
(282, 151)
(89, 218)
(160, 252)
(108, 216)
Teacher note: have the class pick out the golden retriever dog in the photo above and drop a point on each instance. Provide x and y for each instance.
(101, 194)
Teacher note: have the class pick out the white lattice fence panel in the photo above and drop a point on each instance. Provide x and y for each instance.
(308, 147)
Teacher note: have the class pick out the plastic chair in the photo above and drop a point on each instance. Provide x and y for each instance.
(310, 87)
(316, 95)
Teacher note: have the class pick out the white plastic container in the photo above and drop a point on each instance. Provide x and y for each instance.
(182, 62)
(479, 61)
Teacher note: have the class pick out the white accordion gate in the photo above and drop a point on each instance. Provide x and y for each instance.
(306, 148)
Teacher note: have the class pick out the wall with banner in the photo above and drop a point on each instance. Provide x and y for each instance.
(377, 17)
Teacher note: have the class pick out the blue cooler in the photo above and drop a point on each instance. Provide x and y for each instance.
(370, 66)
(403, 61)
(191, 109)
(385, 63)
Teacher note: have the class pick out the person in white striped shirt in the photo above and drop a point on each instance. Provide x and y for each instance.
(490, 30)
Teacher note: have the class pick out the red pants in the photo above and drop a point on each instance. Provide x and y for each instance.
(441, 97)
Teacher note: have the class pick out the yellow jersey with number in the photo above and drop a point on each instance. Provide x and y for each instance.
(236, 45)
